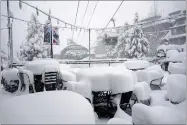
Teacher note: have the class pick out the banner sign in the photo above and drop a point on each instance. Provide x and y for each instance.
(47, 35)
(56, 40)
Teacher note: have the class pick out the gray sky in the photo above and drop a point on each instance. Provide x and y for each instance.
(66, 10)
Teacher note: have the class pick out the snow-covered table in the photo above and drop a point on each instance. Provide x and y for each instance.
(53, 107)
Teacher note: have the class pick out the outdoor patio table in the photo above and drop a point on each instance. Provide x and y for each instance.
(53, 107)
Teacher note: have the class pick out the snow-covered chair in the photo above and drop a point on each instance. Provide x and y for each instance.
(142, 92)
(153, 75)
(26, 81)
(171, 114)
(120, 114)
(176, 88)
(173, 110)
(10, 80)
(50, 77)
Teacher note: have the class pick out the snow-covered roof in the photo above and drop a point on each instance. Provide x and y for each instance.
(177, 36)
(176, 26)
(52, 107)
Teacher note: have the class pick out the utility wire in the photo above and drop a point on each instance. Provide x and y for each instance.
(90, 18)
(76, 18)
(83, 19)
(78, 27)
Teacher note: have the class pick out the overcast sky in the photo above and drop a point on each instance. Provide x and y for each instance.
(66, 10)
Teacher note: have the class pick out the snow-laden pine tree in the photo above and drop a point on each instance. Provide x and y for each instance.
(132, 43)
(33, 47)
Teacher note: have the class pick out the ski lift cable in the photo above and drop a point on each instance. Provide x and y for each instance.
(76, 17)
(112, 17)
(83, 19)
(90, 19)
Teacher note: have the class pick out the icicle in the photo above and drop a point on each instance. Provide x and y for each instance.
(37, 12)
(57, 21)
(20, 4)
(65, 25)
(27, 24)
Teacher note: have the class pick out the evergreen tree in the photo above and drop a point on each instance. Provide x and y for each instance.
(33, 47)
(132, 43)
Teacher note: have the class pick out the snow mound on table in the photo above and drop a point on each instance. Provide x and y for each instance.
(121, 80)
(142, 91)
(97, 76)
(179, 57)
(10, 74)
(52, 107)
(38, 66)
(171, 53)
(118, 121)
(67, 76)
(116, 79)
(143, 114)
(177, 68)
(136, 64)
(176, 87)
(82, 87)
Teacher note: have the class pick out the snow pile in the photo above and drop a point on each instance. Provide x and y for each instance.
(67, 76)
(38, 66)
(83, 87)
(176, 87)
(136, 64)
(143, 114)
(10, 74)
(142, 91)
(118, 121)
(52, 107)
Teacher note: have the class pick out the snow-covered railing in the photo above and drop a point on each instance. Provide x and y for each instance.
(93, 61)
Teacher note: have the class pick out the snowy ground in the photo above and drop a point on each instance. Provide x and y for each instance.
(158, 95)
